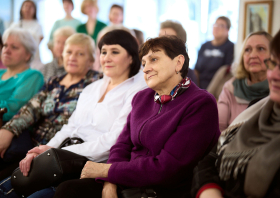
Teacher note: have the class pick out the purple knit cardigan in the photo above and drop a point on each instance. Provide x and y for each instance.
(160, 145)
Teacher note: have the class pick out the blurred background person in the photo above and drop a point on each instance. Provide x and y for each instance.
(28, 20)
(116, 15)
(139, 36)
(18, 83)
(56, 68)
(214, 54)
(68, 20)
(93, 26)
(247, 162)
(1, 46)
(45, 114)
(176, 29)
(249, 81)
(2, 27)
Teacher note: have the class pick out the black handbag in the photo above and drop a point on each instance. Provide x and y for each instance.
(138, 193)
(48, 169)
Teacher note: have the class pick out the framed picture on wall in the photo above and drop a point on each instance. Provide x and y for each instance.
(258, 16)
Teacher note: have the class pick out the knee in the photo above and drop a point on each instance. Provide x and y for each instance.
(66, 189)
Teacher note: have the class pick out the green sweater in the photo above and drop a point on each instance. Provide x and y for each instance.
(98, 27)
(17, 90)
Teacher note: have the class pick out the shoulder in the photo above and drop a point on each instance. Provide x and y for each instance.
(92, 88)
(228, 85)
(194, 94)
(35, 73)
(100, 23)
(91, 76)
(144, 95)
(206, 44)
(81, 26)
(2, 71)
(76, 21)
(229, 44)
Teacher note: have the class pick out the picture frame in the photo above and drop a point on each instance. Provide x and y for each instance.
(258, 16)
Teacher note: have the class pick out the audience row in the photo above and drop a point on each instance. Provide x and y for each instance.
(143, 119)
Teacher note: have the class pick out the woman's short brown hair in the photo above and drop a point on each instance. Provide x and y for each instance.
(225, 19)
(172, 47)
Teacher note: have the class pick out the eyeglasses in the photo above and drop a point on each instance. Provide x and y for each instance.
(270, 64)
(219, 25)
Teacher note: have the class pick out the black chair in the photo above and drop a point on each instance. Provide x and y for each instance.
(2, 112)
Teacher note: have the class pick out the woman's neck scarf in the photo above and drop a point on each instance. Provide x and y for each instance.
(250, 92)
(177, 90)
(255, 149)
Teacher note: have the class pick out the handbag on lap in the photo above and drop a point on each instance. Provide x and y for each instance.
(49, 169)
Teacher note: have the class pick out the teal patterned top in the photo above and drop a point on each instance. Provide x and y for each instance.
(17, 90)
(50, 109)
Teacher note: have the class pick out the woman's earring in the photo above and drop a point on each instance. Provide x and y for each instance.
(177, 72)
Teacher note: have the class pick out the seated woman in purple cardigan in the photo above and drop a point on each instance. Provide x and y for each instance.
(173, 124)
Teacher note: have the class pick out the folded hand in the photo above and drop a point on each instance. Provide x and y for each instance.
(93, 170)
(25, 164)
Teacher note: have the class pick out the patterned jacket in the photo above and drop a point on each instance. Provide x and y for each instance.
(50, 109)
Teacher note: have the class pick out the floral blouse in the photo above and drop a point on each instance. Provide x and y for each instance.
(50, 109)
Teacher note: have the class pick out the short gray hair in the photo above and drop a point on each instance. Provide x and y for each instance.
(25, 38)
(177, 27)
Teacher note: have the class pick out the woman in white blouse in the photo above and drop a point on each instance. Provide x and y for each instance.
(28, 21)
(103, 106)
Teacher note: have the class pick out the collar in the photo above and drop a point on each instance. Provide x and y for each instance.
(176, 91)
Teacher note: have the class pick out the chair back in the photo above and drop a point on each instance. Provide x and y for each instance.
(2, 112)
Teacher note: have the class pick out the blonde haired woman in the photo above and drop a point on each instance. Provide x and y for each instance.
(93, 26)
(249, 81)
(39, 120)
(55, 67)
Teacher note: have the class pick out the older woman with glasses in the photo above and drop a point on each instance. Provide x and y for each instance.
(246, 164)
(249, 82)
(163, 138)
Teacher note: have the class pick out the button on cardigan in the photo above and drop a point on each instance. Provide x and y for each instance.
(161, 149)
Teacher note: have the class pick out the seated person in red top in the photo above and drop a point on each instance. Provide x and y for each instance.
(172, 125)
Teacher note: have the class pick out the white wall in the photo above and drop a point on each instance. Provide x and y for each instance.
(275, 22)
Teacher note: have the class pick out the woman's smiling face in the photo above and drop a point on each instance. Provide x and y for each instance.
(159, 69)
(115, 61)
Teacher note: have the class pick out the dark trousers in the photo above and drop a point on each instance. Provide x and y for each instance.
(16, 152)
(79, 188)
(90, 188)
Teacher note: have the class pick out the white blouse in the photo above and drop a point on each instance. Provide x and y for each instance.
(99, 124)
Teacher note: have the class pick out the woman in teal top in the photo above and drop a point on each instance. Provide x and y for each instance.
(68, 20)
(18, 83)
(93, 26)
